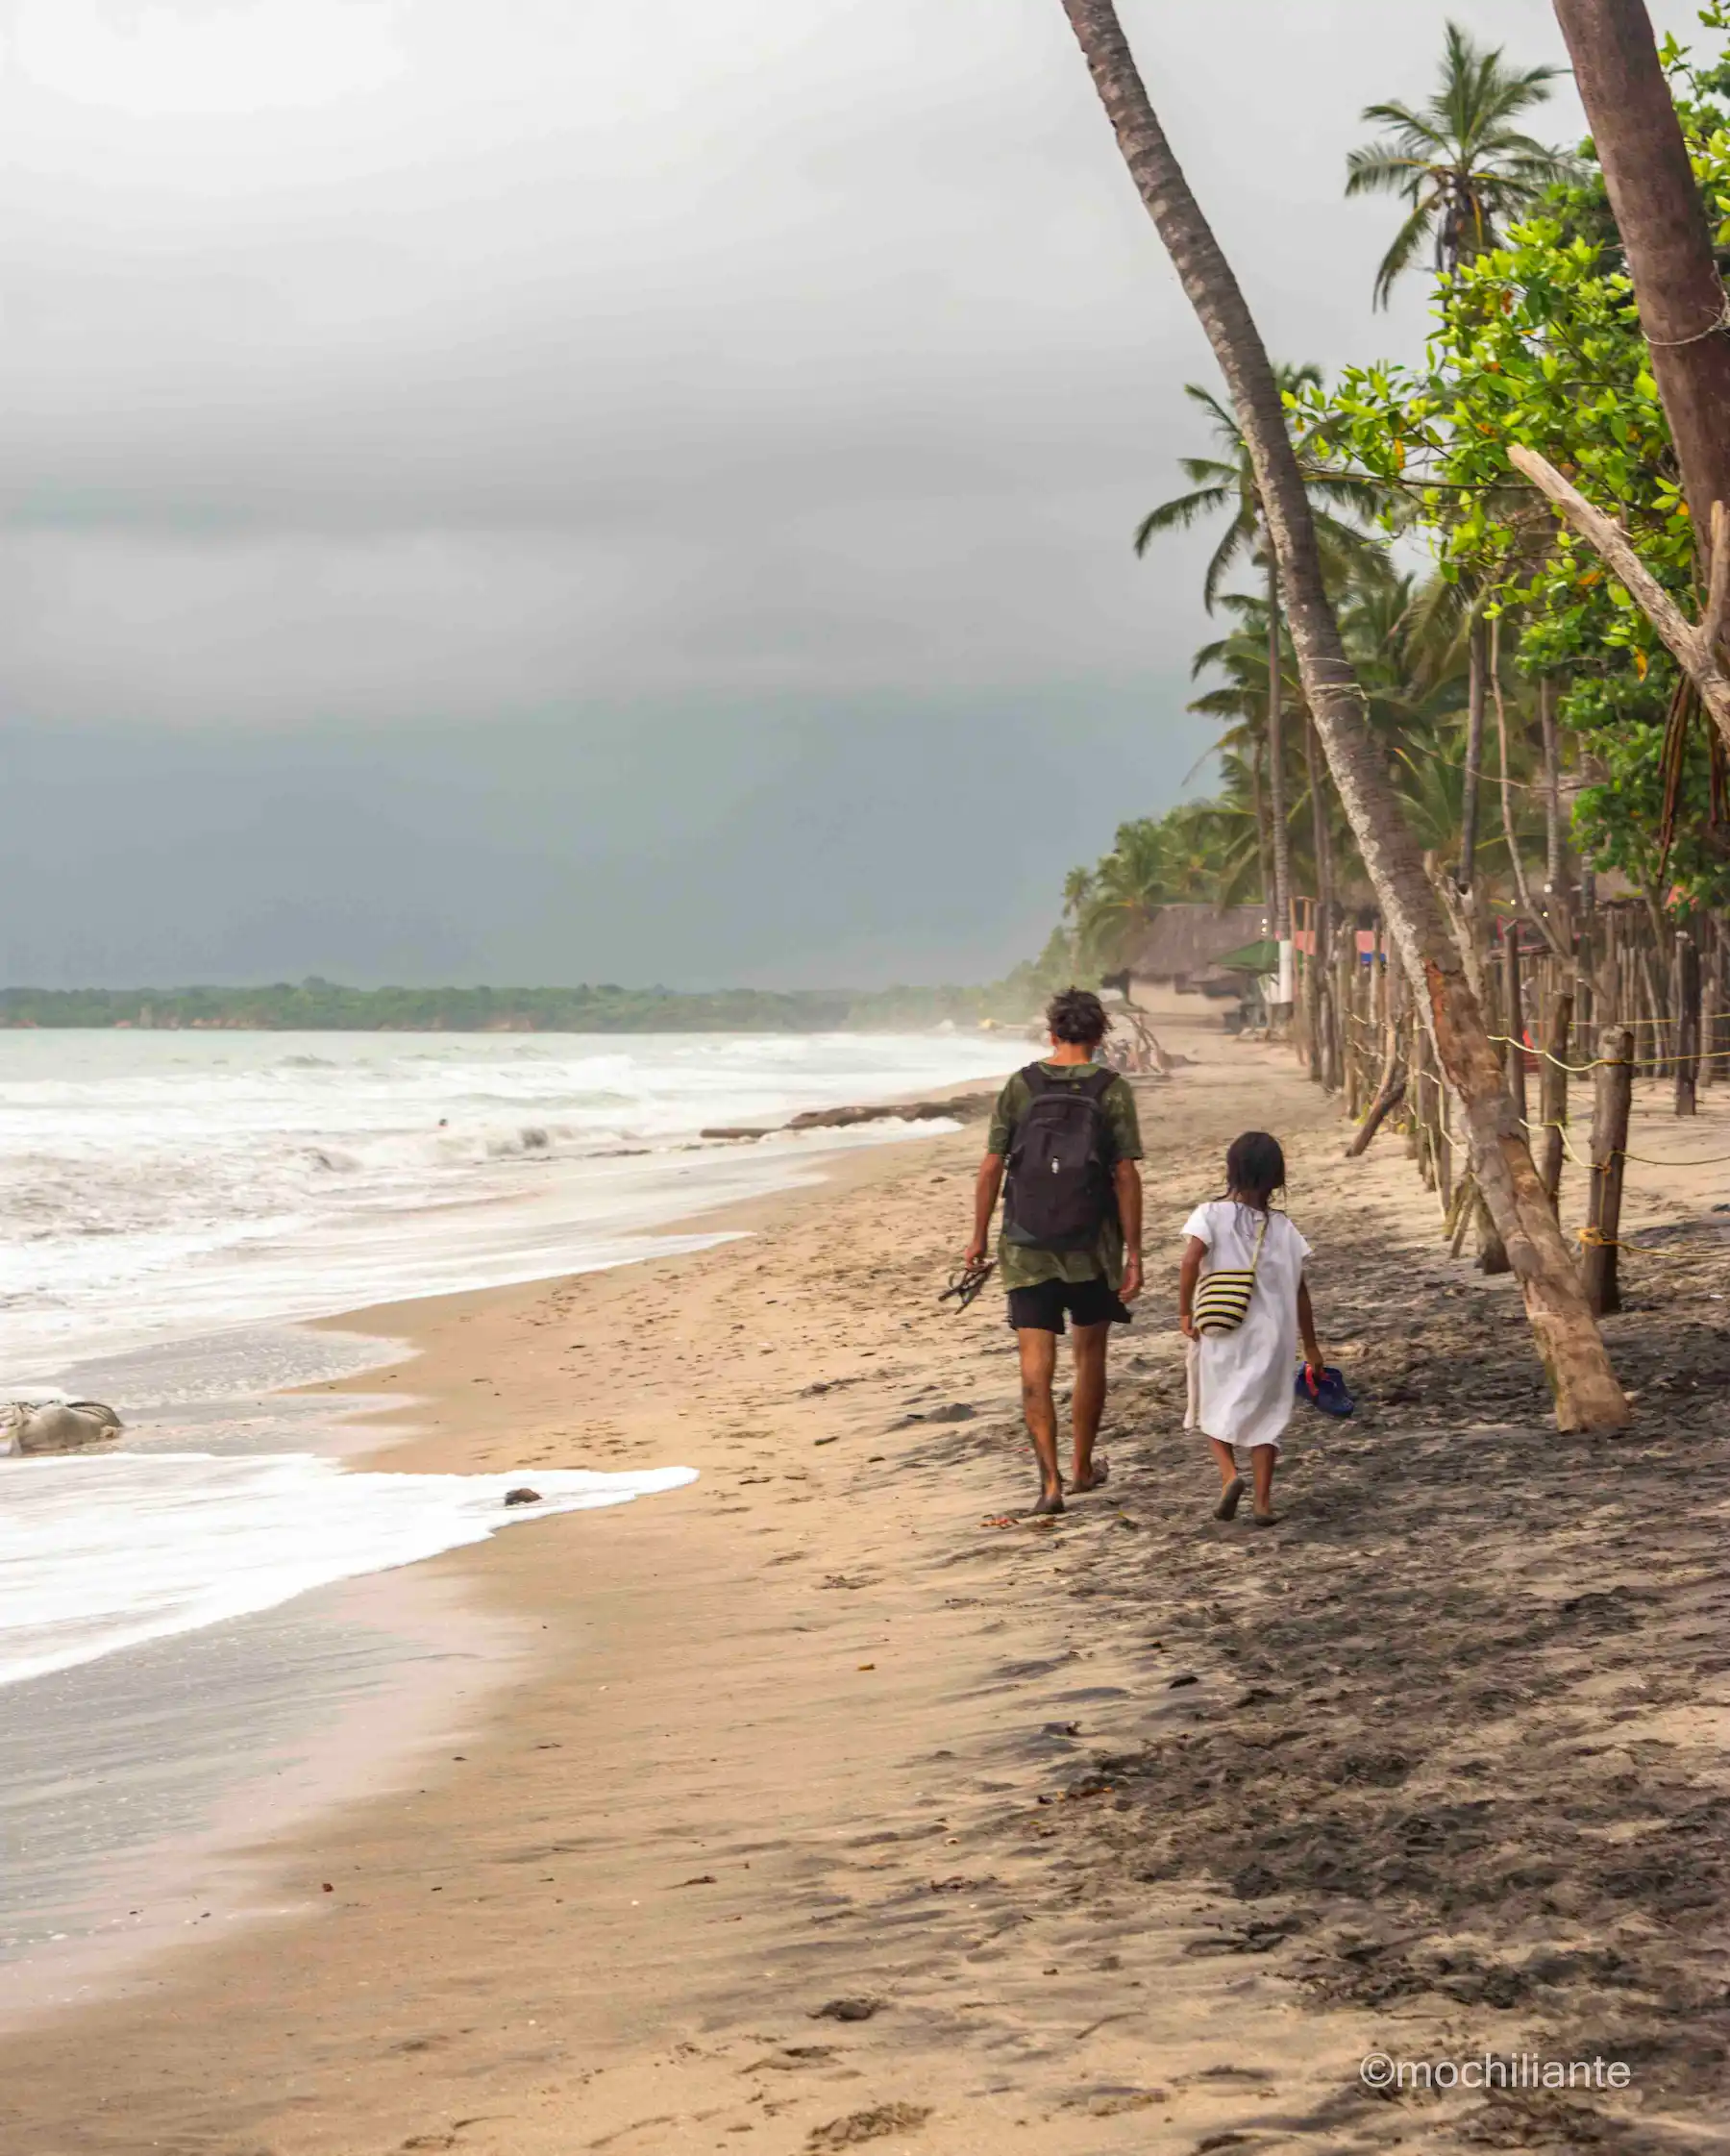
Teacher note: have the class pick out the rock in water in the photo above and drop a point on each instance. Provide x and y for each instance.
(56, 1426)
(522, 1496)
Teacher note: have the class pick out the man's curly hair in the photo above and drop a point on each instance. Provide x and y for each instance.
(1076, 1014)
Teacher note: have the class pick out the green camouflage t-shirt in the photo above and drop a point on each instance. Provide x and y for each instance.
(1018, 1265)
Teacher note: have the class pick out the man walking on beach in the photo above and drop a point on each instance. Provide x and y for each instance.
(1066, 1131)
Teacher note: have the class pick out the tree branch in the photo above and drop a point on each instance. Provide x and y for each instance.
(1689, 646)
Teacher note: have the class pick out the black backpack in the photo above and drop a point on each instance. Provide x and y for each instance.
(1060, 1161)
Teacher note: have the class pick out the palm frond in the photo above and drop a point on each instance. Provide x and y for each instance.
(1179, 514)
(1407, 242)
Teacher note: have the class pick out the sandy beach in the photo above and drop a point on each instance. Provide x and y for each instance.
(824, 1813)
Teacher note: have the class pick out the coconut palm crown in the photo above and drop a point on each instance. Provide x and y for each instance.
(1228, 482)
(1465, 170)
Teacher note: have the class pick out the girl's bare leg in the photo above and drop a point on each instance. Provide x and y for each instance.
(1262, 1459)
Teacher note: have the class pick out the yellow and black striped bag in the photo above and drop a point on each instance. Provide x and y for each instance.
(1223, 1299)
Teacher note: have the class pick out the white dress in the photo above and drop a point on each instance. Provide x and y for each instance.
(1242, 1381)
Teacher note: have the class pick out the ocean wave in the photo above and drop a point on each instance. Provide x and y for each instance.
(100, 1554)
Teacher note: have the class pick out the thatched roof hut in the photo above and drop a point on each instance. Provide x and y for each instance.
(1181, 946)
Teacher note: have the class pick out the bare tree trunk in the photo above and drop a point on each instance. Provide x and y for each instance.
(1517, 1069)
(1555, 853)
(1612, 1107)
(1325, 926)
(1475, 752)
(1390, 1087)
(1663, 231)
(1552, 1094)
(1263, 848)
(1539, 917)
(1586, 1392)
(1277, 772)
(1687, 1000)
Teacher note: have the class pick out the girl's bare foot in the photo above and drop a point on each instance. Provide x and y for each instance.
(1266, 1518)
(1096, 1477)
(1052, 1502)
(1230, 1497)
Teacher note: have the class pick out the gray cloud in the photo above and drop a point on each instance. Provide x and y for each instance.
(423, 371)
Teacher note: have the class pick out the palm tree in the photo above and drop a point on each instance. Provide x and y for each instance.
(1465, 170)
(1228, 482)
(1120, 893)
(1587, 1393)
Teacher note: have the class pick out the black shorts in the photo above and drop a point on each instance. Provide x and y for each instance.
(1041, 1309)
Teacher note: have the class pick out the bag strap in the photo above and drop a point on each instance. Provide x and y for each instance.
(1261, 1236)
(1038, 1079)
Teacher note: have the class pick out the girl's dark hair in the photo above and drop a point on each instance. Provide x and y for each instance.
(1255, 1165)
(1077, 1015)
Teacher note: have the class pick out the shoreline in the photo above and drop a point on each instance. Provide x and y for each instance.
(824, 1811)
(216, 1876)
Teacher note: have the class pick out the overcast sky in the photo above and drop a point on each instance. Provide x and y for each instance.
(557, 490)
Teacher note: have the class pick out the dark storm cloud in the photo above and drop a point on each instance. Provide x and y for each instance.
(396, 365)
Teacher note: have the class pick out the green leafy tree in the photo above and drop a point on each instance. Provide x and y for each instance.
(1537, 342)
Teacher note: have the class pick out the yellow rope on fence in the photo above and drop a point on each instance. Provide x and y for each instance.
(1590, 1167)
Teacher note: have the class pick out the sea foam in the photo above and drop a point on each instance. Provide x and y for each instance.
(98, 1555)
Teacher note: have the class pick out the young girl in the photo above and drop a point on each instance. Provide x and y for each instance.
(1244, 1399)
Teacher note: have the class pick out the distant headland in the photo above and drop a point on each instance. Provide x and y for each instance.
(325, 1006)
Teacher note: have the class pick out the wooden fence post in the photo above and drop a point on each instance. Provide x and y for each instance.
(1612, 1104)
(1688, 1022)
(1552, 1096)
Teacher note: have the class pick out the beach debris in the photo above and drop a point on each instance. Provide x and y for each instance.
(56, 1426)
(829, 1440)
(876, 2124)
(847, 2010)
(962, 1108)
(703, 1879)
(957, 1411)
(524, 1496)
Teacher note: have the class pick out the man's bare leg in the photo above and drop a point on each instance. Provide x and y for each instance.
(1038, 1366)
(1089, 1402)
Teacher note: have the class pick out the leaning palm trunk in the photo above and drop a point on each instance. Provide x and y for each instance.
(1587, 1393)
(1664, 233)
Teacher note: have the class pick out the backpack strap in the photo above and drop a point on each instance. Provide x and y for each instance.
(1039, 1080)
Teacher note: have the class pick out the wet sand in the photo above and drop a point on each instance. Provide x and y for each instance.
(830, 1816)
